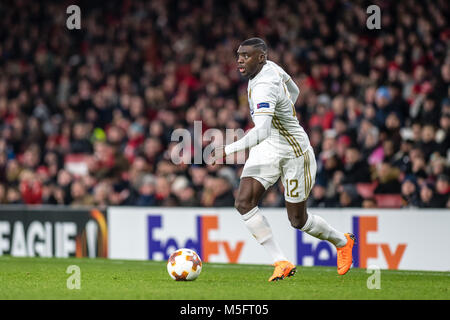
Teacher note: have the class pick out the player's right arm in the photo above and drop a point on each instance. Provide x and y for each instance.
(264, 98)
(258, 133)
(294, 91)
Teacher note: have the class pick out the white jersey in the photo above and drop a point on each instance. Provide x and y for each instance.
(268, 95)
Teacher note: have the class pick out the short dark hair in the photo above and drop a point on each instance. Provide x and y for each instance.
(255, 42)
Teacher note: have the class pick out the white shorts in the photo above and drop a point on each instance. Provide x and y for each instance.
(298, 175)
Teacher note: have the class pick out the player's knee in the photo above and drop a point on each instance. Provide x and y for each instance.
(297, 222)
(240, 206)
(244, 205)
(297, 214)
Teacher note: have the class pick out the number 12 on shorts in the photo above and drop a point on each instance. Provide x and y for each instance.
(290, 191)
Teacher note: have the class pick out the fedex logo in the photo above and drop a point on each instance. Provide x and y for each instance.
(362, 250)
(202, 244)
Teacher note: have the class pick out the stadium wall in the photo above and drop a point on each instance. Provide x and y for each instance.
(52, 231)
(388, 239)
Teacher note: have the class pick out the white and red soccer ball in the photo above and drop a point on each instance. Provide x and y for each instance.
(184, 265)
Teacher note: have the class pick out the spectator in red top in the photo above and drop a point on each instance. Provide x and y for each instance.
(30, 188)
(135, 139)
(322, 115)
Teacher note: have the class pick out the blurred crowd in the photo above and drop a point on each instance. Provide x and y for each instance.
(87, 116)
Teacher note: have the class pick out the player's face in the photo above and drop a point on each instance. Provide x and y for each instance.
(249, 60)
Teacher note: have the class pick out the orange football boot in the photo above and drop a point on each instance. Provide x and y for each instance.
(344, 255)
(282, 270)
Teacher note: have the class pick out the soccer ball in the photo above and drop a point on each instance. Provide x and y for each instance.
(184, 265)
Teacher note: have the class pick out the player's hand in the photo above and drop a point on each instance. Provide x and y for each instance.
(218, 154)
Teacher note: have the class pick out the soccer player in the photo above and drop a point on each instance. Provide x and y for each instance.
(279, 147)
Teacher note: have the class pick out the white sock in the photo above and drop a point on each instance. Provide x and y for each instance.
(317, 227)
(259, 227)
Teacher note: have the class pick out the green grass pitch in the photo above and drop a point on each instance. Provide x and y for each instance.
(46, 278)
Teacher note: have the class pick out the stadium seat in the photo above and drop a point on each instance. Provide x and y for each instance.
(388, 200)
(365, 190)
(76, 163)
